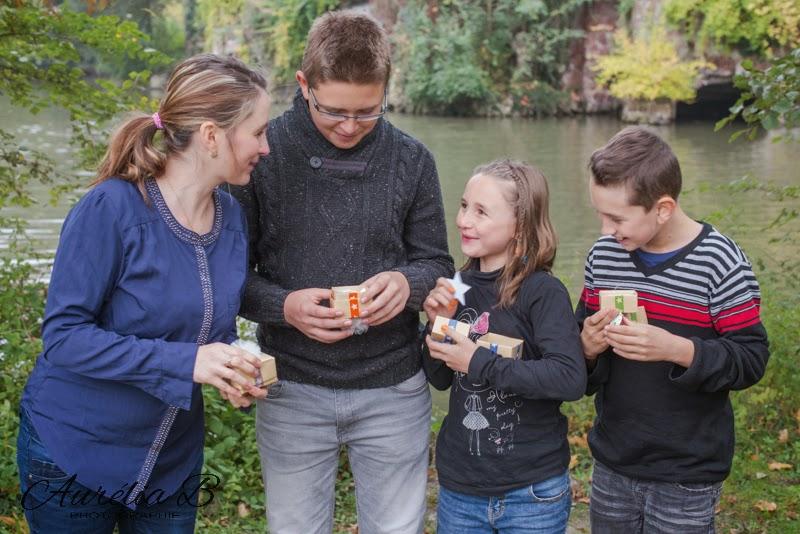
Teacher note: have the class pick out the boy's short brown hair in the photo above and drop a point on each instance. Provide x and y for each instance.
(640, 160)
(345, 46)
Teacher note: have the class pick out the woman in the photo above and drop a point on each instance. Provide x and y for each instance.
(141, 307)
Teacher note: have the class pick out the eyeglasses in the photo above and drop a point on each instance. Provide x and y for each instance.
(340, 117)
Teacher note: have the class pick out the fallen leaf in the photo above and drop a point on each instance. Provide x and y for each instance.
(754, 457)
(760, 475)
(783, 436)
(791, 515)
(243, 510)
(779, 466)
(10, 521)
(766, 506)
(573, 461)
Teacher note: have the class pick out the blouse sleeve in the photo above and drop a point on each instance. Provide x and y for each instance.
(88, 263)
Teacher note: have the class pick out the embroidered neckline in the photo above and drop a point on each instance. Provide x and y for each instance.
(183, 233)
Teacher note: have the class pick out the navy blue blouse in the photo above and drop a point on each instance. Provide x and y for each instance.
(132, 295)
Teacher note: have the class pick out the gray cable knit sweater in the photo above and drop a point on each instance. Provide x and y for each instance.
(320, 216)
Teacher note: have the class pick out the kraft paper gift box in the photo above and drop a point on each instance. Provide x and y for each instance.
(348, 300)
(269, 373)
(507, 347)
(438, 335)
(624, 300)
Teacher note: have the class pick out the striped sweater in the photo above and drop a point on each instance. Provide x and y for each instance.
(658, 420)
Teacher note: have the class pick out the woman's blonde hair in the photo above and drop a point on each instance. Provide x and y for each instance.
(533, 247)
(202, 88)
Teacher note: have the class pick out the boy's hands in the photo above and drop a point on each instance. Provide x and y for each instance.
(440, 301)
(456, 355)
(648, 343)
(389, 292)
(593, 335)
(303, 311)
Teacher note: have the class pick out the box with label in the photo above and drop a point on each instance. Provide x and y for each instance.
(269, 373)
(348, 300)
(624, 300)
(438, 335)
(507, 347)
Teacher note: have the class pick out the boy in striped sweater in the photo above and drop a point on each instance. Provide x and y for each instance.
(663, 437)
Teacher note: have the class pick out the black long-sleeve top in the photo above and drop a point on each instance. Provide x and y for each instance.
(658, 420)
(504, 429)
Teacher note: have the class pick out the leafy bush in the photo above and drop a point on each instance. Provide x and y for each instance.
(759, 27)
(770, 99)
(647, 69)
(466, 56)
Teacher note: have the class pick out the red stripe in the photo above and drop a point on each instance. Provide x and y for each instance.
(752, 321)
(590, 298)
(748, 314)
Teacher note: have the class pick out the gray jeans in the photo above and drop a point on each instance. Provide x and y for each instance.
(300, 429)
(624, 505)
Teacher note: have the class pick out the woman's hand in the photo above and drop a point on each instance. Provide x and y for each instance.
(440, 301)
(219, 365)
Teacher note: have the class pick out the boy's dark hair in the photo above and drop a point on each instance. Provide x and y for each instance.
(345, 46)
(640, 160)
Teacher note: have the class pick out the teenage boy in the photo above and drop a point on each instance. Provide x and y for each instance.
(344, 198)
(663, 436)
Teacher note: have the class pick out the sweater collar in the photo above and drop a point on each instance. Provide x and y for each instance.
(302, 130)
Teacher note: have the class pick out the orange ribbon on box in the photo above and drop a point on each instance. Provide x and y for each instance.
(355, 312)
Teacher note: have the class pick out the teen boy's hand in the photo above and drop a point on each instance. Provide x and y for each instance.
(593, 335)
(389, 292)
(456, 355)
(303, 311)
(440, 301)
(648, 343)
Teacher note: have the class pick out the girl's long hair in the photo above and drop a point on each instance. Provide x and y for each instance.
(202, 88)
(533, 247)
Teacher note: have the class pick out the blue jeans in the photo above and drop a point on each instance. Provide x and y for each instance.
(624, 505)
(300, 429)
(48, 512)
(541, 508)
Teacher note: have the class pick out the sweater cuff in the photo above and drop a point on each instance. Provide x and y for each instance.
(417, 286)
(478, 365)
(689, 379)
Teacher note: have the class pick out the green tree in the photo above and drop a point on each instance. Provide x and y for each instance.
(467, 56)
(40, 62)
(761, 27)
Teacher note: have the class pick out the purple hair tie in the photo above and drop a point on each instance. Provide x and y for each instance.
(157, 121)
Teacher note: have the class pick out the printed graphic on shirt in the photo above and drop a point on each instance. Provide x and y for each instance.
(491, 415)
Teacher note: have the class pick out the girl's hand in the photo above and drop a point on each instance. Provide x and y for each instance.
(216, 364)
(440, 301)
(456, 355)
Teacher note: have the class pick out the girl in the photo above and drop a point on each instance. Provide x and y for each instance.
(502, 452)
(141, 307)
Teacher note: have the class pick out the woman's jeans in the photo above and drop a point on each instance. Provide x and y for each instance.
(49, 508)
(541, 508)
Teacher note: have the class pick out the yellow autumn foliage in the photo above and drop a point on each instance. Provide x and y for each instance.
(647, 69)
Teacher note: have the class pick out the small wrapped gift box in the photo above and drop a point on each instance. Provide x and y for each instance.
(348, 299)
(624, 300)
(507, 347)
(438, 334)
(269, 373)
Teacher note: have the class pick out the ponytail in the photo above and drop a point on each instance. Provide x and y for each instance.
(132, 154)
